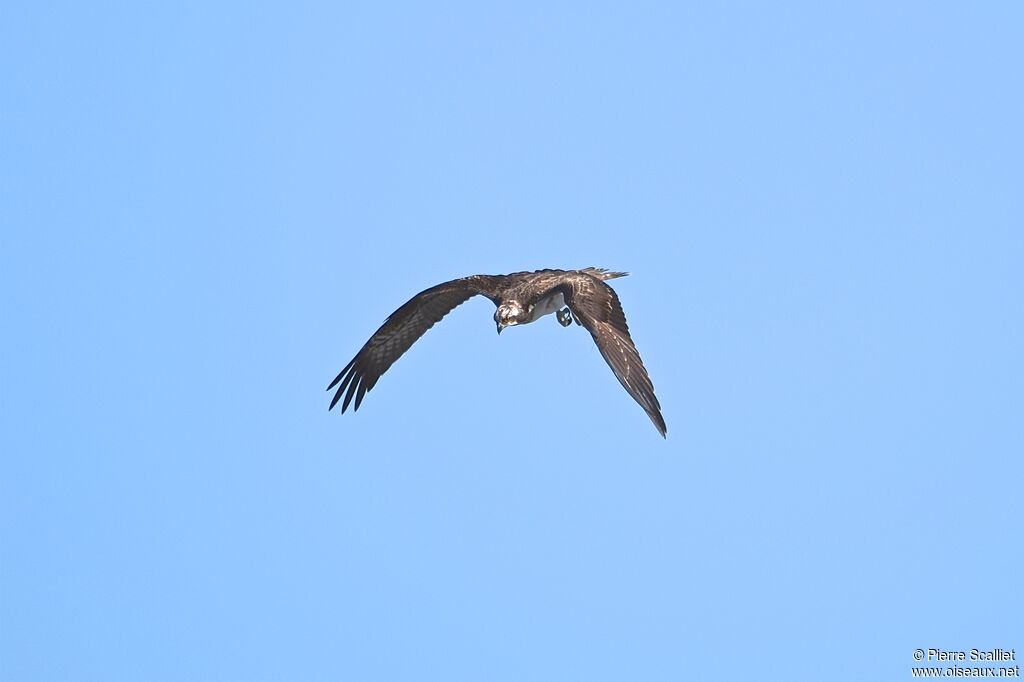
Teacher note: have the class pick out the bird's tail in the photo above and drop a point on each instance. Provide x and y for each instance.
(601, 273)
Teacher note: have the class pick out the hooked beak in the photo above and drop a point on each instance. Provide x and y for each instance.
(500, 327)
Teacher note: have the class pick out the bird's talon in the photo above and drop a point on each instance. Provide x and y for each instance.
(564, 317)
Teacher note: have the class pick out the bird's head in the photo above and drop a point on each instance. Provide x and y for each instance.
(508, 315)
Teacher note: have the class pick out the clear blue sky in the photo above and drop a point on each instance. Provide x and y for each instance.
(207, 209)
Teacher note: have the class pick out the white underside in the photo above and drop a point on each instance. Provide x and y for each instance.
(546, 306)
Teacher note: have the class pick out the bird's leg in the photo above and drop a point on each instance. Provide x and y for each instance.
(565, 317)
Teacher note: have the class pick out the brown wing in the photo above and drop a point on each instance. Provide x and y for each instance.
(597, 307)
(400, 331)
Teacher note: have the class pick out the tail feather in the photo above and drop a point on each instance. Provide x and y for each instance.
(602, 273)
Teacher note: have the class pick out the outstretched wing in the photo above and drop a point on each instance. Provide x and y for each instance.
(400, 331)
(597, 307)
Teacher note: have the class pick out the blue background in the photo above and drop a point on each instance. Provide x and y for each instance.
(208, 209)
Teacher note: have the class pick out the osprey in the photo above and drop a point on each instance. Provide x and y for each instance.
(521, 298)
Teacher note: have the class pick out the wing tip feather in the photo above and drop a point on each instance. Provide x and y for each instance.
(659, 423)
(604, 273)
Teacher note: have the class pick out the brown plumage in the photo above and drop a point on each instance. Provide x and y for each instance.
(520, 297)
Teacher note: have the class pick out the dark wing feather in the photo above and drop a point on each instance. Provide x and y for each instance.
(400, 331)
(597, 307)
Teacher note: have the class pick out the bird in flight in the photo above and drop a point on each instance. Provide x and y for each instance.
(521, 297)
